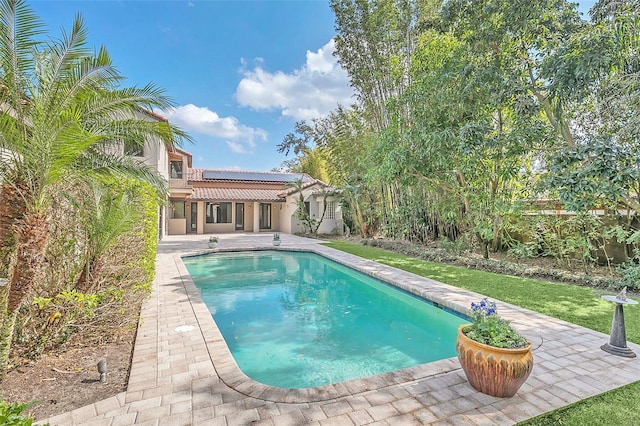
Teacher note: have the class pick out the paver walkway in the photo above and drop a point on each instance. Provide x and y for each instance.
(183, 374)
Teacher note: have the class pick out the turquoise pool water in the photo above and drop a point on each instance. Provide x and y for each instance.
(297, 319)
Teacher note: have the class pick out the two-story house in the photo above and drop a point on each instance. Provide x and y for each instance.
(203, 201)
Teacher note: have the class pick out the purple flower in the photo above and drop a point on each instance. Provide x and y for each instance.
(485, 308)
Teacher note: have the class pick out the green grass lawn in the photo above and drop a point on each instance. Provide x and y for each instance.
(578, 305)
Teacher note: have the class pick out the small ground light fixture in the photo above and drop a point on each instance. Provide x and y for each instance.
(102, 369)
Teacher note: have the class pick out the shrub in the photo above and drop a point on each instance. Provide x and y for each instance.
(440, 255)
(11, 414)
(630, 275)
(109, 306)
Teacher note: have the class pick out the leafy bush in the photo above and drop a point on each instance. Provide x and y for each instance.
(440, 255)
(459, 246)
(520, 251)
(11, 414)
(121, 271)
(631, 275)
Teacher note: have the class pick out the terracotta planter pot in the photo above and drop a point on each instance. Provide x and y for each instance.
(494, 371)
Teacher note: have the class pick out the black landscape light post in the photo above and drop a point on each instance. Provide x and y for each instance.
(102, 369)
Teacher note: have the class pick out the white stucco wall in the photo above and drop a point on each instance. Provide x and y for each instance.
(156, 156)
(177, 226)
(316, 205)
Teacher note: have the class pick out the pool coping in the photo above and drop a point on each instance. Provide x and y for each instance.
(231, 374)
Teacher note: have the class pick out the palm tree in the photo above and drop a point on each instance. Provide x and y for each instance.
(63, 117)
(108, 214)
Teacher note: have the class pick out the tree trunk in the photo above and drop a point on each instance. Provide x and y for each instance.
(484, 245)
(361, 221)
(32, 237)
(88, 278)
(32, 241)
(324, 211)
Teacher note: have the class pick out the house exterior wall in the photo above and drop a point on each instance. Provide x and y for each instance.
(288, 222)
(225, 228)
(276, 208)
(176, 226)
(179, 190)
(249, 214)
(316, 205)
(219, 228)
(200, 217)
(155, 155)
(330, 225)
(191, 184)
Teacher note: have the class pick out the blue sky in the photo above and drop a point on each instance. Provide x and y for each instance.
(241, 73)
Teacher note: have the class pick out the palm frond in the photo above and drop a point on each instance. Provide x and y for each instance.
(126, 101)
(19, 29)
(115, 111)
(9, 132)
(111, 214)
(107, 166)
(82, 76)
(68, 49)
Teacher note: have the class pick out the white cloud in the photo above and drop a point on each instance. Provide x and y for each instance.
(309, 92)
(237, 147)
(192, 118)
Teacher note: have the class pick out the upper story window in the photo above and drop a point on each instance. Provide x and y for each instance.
(133, 149)
(176, 170)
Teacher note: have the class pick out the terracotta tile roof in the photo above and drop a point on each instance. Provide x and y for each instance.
(306, 185)
(236, 194)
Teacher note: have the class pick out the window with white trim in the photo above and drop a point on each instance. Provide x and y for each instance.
(331, 209)
(176, 169)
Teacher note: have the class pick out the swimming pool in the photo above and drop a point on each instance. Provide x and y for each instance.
(299, 320)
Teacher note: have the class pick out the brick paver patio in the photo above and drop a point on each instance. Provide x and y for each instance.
(183, 374)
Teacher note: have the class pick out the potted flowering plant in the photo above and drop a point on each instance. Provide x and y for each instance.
(496, 359)
(213, 241)
(276, 239)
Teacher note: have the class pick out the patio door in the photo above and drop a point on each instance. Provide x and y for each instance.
(239, 216)
(194, 217)
(265, 216)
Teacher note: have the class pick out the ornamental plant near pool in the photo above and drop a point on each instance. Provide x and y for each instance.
(488, 328)
(495, 358)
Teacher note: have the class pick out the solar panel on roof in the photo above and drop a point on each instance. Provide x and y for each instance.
(252, 176)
